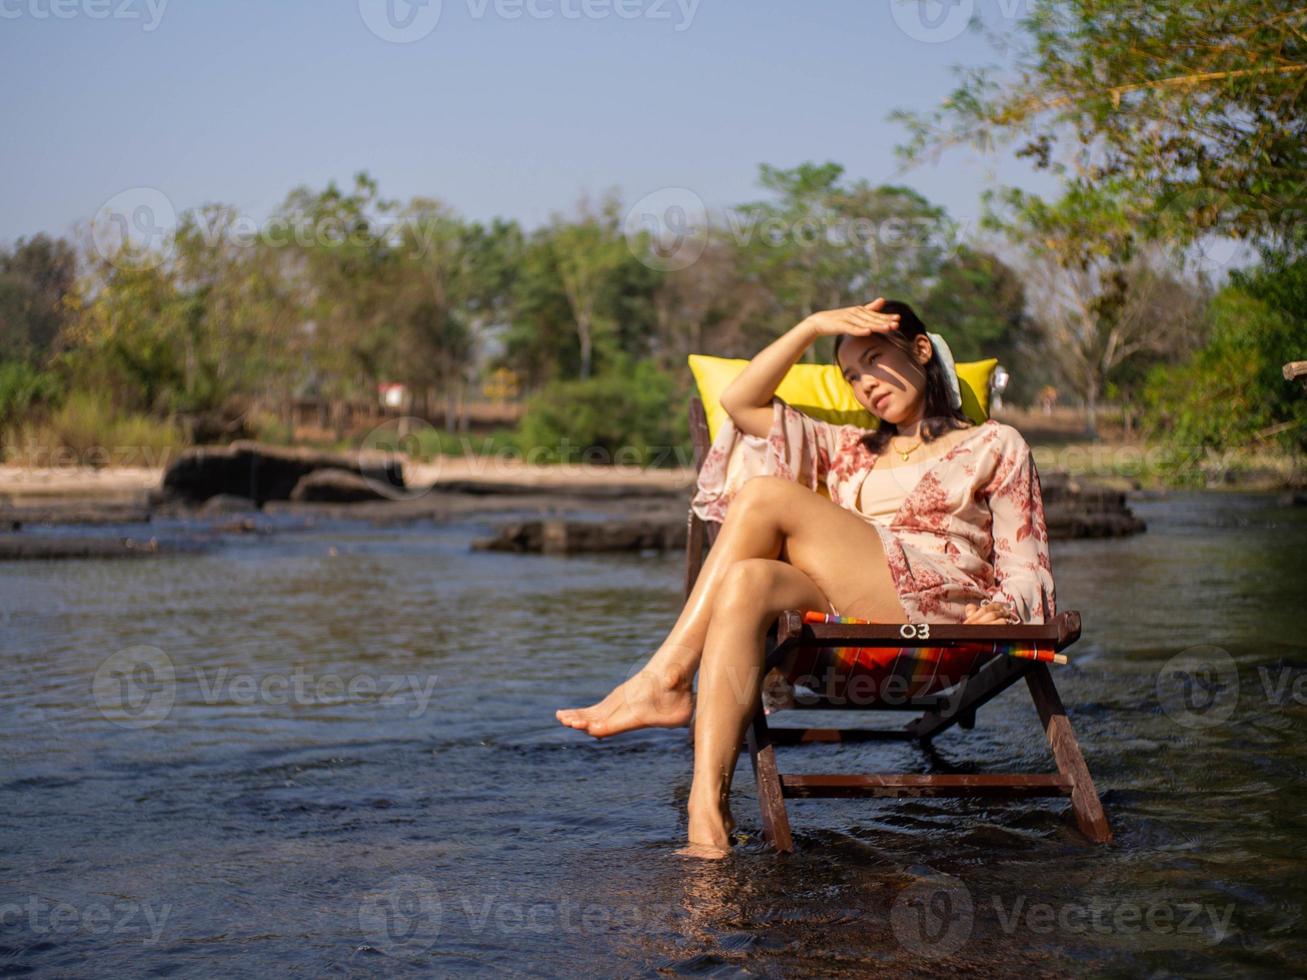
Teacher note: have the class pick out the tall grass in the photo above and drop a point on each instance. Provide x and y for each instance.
(86, 430)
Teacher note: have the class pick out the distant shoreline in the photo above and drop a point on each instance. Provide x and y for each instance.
(126, 483)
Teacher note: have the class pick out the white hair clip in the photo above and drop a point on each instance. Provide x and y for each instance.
(950, 369)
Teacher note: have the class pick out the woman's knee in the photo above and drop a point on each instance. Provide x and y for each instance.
(746, 585)
(762, 497)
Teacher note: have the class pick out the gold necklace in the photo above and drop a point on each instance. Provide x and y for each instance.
(904, 454)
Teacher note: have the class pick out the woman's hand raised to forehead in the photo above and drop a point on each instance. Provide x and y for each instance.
(858, 321)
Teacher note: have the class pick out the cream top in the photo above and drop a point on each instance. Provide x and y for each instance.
(883, 491)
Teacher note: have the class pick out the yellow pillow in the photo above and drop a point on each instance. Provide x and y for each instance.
(820, 390)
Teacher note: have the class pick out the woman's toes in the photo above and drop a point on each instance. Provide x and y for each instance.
(571, 717)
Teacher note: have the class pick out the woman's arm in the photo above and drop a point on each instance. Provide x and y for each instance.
(747, 399)
(1023, 572)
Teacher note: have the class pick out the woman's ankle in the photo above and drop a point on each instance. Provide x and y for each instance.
(712, 799)
(673, 668)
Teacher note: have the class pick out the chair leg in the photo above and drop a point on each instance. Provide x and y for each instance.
(775, 821)
(1085, 803)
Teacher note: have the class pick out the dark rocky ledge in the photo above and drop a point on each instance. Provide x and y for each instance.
(1072, 509)
(262, 472)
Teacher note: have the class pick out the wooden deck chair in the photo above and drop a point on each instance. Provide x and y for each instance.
(989, 675)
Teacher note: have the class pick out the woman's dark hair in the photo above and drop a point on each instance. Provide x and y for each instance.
(939, 416)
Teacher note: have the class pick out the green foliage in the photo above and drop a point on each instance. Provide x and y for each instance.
(625, 417)
(978, 303)
(23, 390)
(499, 442)
(820, 242)
(1231, 393)
(223, 328)
(87, 429)
(36, 296)
(1192, 109)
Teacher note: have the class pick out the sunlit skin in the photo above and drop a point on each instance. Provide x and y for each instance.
(780, 547)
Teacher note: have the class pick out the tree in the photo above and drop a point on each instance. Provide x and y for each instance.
(37, 297)
(348, 275)
(587, 252)
(238, 325)
(1231, 393)
(706, 307)
(1192, 109)
(1094, 290)
(541, 343)
(820, 243)
(978, 303)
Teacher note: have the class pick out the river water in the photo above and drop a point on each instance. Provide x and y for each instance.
(331, 751)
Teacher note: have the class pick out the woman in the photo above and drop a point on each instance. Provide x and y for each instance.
(929, 519)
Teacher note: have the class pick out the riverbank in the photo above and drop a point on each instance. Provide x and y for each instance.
(1116, 459)
(119, 483)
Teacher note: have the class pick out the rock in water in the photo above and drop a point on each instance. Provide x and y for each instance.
(333, 486)
(262, 472)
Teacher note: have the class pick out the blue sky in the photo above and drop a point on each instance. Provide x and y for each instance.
(239, 101)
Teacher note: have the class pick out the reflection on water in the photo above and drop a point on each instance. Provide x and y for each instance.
(353, 766)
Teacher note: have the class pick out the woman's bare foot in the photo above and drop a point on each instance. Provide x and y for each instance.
(650, 699)
(710, 832)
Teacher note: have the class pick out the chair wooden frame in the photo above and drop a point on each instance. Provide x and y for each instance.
(939, 712)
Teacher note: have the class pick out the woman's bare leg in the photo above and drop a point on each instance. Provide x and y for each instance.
(753, 592)
(661, 690)
(771, 518)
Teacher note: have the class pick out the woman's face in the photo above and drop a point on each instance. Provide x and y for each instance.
(887, 381)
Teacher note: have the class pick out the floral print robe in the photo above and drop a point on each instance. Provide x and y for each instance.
(971, 530)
